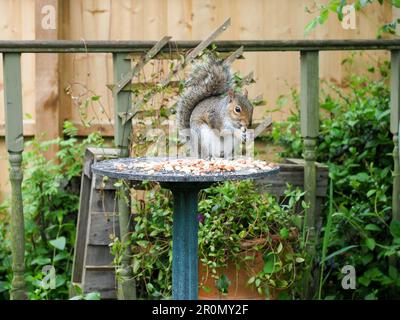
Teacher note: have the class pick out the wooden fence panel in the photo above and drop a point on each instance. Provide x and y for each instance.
(275, 72)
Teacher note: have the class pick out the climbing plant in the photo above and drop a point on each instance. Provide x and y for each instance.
(51, 196)
(356, 143)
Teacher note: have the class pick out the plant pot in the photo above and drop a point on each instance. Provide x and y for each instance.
(239, 289)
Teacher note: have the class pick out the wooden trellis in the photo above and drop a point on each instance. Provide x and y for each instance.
(309, 49)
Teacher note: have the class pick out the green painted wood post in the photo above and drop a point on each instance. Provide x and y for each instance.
(122, 103)
(15, 146)
(394, 129)
(309, 117)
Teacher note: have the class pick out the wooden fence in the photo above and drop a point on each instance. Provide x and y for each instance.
(309, 110)
(46, 76)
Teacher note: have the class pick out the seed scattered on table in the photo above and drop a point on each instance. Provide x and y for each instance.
(197, 166)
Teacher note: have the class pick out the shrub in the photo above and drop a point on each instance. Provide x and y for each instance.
(230, 214)
(50, 210)
(356, 143)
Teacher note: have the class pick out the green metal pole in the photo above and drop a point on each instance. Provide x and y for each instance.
(15, 146)
(309, 117)
(185, 244)
(122, 103)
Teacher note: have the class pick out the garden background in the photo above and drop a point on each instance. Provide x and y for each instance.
(354, 141)
(45, 78)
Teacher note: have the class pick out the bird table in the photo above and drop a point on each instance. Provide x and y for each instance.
(185, 188)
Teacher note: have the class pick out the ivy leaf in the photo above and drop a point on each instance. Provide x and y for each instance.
(223, 283)
(269, 263)
(58, 243)
(362, 177)
(251, 280)
(370, 243)
(393, 272)
(143, 243)
(92, 296)
(41, 261)
(284, 233)
(395, 228)
(3, 286)
(372, 227)
(206, 289)
(299, 260)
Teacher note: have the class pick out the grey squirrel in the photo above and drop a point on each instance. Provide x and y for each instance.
(209, 106)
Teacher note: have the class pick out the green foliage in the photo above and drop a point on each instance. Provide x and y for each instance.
(234, 217)
(51, 198)
(356, 143)
(81, 296)
(336, 7)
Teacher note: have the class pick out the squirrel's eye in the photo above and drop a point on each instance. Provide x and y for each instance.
(238, 109)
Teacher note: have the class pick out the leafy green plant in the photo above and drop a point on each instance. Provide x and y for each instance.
(81, 296)
(336, 7)
(51, 202)
(237, 223)
(356, 143)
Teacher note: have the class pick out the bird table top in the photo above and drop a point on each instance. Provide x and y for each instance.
(194, 170)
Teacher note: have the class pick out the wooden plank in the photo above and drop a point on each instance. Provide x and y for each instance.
(238, 54)
(98, 255)
(143, 86)
(81, 227)
(249, 78)
(205, 43)
(105, 184)
(102, 281)
(126, 116)
(302, 162)
(81, 253)
(106, 129)
(188, 58)
(293, 175)
(178, 55)
(47, 108)
(262, 126)
(29, 128)
(102, 227)
(126, 78)
(103, 200)
(129, 46)
(196, 51)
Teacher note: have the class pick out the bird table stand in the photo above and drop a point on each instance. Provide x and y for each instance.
(185, 189)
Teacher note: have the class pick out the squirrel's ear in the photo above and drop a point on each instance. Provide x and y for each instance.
(231, 94)
(245, 92)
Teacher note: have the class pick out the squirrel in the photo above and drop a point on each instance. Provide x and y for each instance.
(209, 106)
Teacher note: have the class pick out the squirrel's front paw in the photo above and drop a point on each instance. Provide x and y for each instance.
(243, 134)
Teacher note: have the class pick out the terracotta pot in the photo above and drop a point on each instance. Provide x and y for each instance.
(238, 289)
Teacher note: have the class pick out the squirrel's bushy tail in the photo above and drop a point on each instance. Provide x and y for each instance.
(210, 77)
